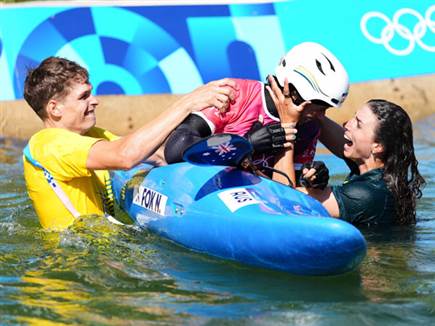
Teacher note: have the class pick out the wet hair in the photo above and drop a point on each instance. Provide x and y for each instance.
(401, 175)
(51, 79)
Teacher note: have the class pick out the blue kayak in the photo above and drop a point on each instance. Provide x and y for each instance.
(236, 215)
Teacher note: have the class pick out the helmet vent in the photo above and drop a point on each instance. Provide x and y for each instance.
(330, 63)
(319, 66)
(283, 63)
(335, 101)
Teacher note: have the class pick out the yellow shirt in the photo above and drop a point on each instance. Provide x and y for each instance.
(64, 154)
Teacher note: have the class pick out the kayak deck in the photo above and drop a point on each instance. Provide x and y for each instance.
(232, 214)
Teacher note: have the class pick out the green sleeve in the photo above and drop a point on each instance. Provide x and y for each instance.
(359, 203)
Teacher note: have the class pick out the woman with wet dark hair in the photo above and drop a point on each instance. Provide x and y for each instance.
(377, 145)
(401, 174)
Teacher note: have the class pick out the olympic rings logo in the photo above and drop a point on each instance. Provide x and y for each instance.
(413, 36)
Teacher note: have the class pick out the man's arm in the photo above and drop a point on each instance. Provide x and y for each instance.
(128, 151)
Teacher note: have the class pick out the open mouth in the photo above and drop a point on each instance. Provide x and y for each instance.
(89, 112)
(348, 141)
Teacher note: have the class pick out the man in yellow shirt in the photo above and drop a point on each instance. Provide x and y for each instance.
(66, 163)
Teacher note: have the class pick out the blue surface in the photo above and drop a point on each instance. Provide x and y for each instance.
(254, 221)
(175, 48)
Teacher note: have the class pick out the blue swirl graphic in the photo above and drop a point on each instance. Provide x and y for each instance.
(132, 58)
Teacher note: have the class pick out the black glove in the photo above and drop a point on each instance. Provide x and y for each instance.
(266, 139)
(322, 175)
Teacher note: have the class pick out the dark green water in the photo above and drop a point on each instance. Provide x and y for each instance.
(97, 273)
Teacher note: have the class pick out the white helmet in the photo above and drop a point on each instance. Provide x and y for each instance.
(315, 73)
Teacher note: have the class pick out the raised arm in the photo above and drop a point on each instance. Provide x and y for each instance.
(128, 151)
(332, 136)
(289, 114)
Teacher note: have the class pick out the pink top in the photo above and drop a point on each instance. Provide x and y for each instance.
(249, 107)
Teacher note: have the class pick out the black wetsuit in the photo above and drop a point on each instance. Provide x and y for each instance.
(365, 199)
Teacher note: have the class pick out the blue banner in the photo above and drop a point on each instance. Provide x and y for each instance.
(173, 49)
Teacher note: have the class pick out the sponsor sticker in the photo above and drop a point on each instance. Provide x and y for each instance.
(237, 198)
(150, 200)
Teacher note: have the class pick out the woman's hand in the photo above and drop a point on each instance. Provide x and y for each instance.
(287, 110)
(219, 94)
(314, 175)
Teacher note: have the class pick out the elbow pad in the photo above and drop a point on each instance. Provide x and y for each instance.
(191, 130)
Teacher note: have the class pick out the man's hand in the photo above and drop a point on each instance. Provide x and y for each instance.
(271, 138)
(314, 175)
(219, 94)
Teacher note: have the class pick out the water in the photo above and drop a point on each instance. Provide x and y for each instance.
(99, 273)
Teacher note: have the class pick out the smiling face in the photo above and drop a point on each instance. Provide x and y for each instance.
(76, 110)
(359, 133)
